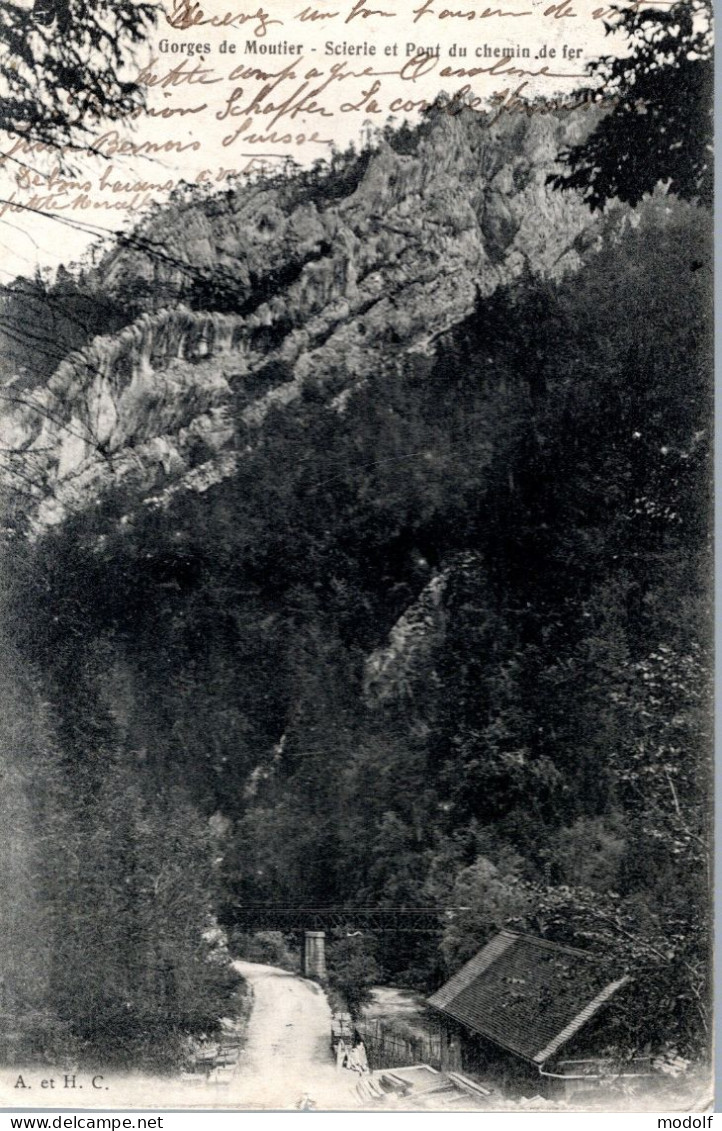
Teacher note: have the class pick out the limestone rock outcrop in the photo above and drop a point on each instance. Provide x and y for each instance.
(254, 294)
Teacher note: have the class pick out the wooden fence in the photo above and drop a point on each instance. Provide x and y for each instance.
(386, 1049)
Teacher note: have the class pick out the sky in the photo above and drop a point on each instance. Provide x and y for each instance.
(232, 88)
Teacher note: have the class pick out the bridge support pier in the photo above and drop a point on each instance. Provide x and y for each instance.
(314, 954)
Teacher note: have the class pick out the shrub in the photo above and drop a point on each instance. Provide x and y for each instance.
(268, 947)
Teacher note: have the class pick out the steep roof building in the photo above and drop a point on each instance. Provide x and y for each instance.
(530, 998)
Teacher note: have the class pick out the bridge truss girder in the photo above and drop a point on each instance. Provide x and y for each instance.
(414, 919)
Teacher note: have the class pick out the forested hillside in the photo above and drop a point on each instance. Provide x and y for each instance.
(373, 569)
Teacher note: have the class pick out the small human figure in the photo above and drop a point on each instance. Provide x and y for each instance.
(305, 1103)
(356, 1058)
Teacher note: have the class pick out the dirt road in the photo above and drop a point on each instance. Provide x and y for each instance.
(287, 1053)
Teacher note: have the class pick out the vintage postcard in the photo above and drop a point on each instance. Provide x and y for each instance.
(355, 461)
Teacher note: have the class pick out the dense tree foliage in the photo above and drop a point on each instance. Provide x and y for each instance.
(42, 322)
(62, 66)
(352, 970)
(660, 129)
(110, 943)
(448, 645)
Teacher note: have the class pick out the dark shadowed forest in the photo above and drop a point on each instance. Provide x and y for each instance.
(438, 636)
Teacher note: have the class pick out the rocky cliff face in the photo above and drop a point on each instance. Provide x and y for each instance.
(277, 286)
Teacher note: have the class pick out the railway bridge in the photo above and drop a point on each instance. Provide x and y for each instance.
(315, 921)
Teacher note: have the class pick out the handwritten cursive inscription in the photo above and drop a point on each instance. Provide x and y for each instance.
(186, 14)
(291, 81)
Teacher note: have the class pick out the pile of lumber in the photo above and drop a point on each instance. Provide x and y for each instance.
(215, 1062)
(421, 1086)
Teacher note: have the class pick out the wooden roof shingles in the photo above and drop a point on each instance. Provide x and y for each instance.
(527, 995)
